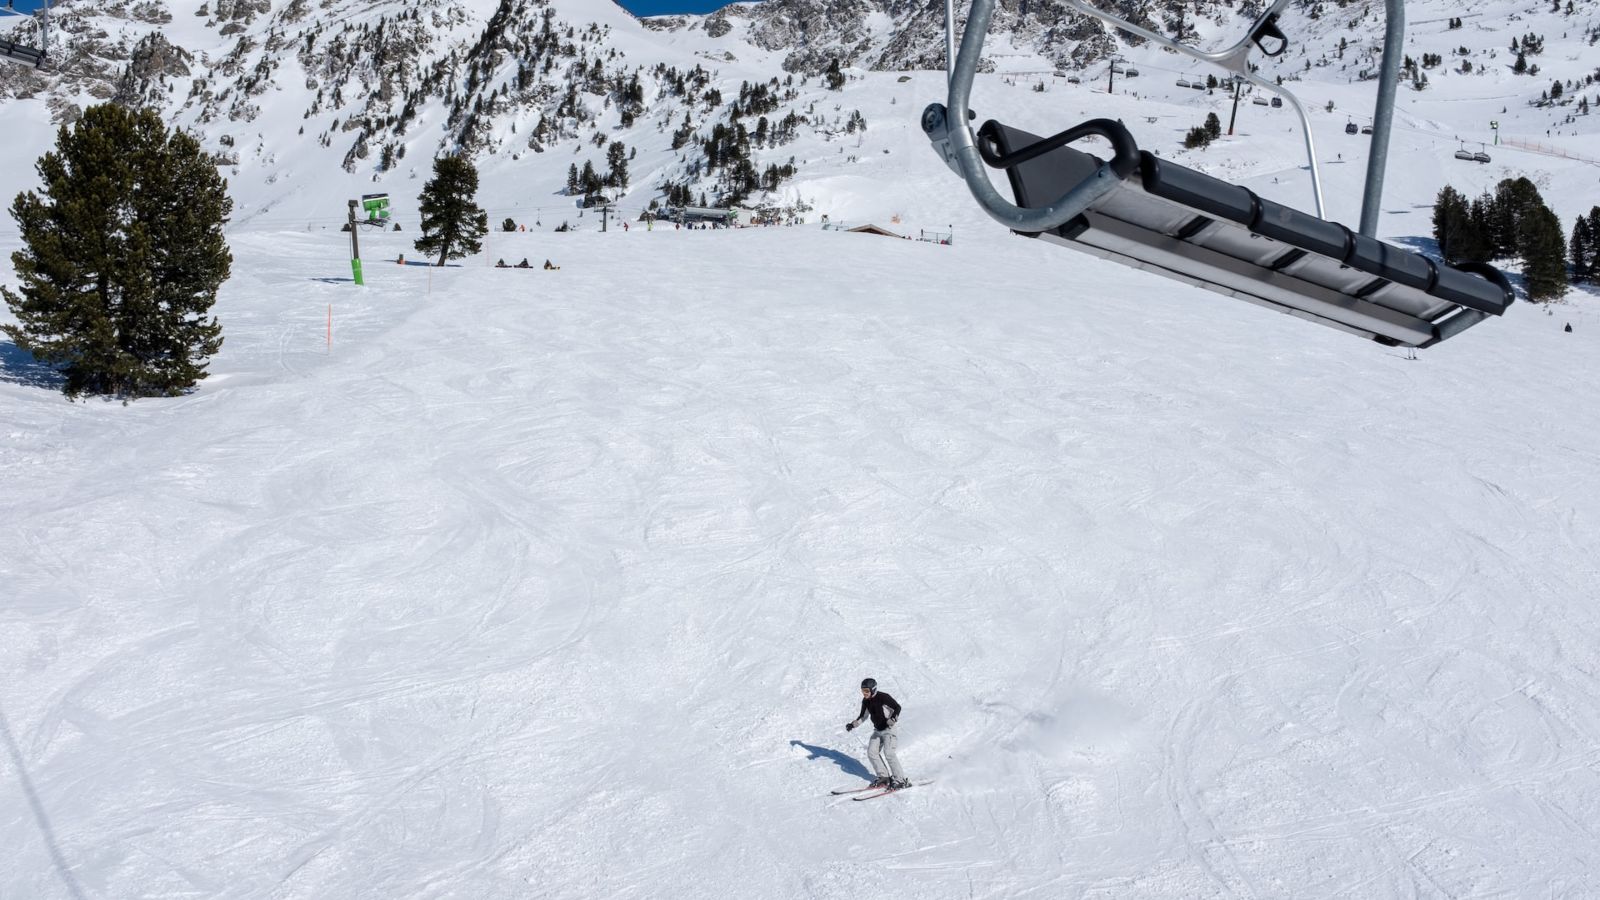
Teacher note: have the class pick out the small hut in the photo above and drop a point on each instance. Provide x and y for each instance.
(874, 229)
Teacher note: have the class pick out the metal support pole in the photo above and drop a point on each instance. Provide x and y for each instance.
(1394, 36)
(1234, 116)
(355, 246)
(949, 41)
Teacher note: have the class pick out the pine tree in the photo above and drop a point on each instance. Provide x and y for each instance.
(1213, 126)
(834, 77)
(1484, 230)
(1594, 244)
(1514, 199)
(1586, 247)
(452, 224)
(122, 257)
(1582, 250)
(1544, 256)
(1452, 225)
(509, 224)
(572, 178)
(617, 159)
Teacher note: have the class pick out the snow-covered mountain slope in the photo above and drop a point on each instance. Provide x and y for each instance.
(308, 104)
(558, 584)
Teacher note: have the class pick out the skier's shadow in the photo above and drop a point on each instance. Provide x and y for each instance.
(848, 763)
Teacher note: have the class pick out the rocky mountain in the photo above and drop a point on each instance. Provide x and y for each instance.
(711, 101)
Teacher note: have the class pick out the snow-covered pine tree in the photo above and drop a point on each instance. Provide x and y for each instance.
(452, 223)
(122, 257)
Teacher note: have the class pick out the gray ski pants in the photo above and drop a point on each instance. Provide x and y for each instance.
(881, 753)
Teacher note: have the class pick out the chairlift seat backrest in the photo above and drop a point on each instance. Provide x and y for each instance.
(1464, 154)
(1177, 222)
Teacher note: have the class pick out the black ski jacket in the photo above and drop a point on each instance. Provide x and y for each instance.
(881, 707)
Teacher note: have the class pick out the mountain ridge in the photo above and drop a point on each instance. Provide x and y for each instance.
(373, 86)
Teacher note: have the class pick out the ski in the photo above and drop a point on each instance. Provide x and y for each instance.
(860, 790)
(885, 793)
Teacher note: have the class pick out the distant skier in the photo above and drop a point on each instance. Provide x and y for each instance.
(885, 712)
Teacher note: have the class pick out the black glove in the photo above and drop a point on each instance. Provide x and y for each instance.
(849, 726)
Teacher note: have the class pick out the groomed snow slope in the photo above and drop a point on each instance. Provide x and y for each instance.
(558, 584)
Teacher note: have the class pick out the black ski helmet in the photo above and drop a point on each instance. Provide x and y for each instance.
(867, 684)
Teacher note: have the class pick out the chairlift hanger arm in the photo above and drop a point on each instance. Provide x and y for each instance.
(1234, 59)
(946, 126)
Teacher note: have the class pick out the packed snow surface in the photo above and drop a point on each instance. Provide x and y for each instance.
(559, 583)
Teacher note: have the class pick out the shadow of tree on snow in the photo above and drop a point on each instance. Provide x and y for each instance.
(18, 366)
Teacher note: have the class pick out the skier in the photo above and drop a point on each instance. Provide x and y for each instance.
(885, 712)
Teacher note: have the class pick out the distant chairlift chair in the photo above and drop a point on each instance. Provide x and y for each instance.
(21, 53)
(1146, 212)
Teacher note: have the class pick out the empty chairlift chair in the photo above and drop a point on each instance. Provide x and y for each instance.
(28, 56)
(1465, 154)
(1152, 214)
(1174, 221)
